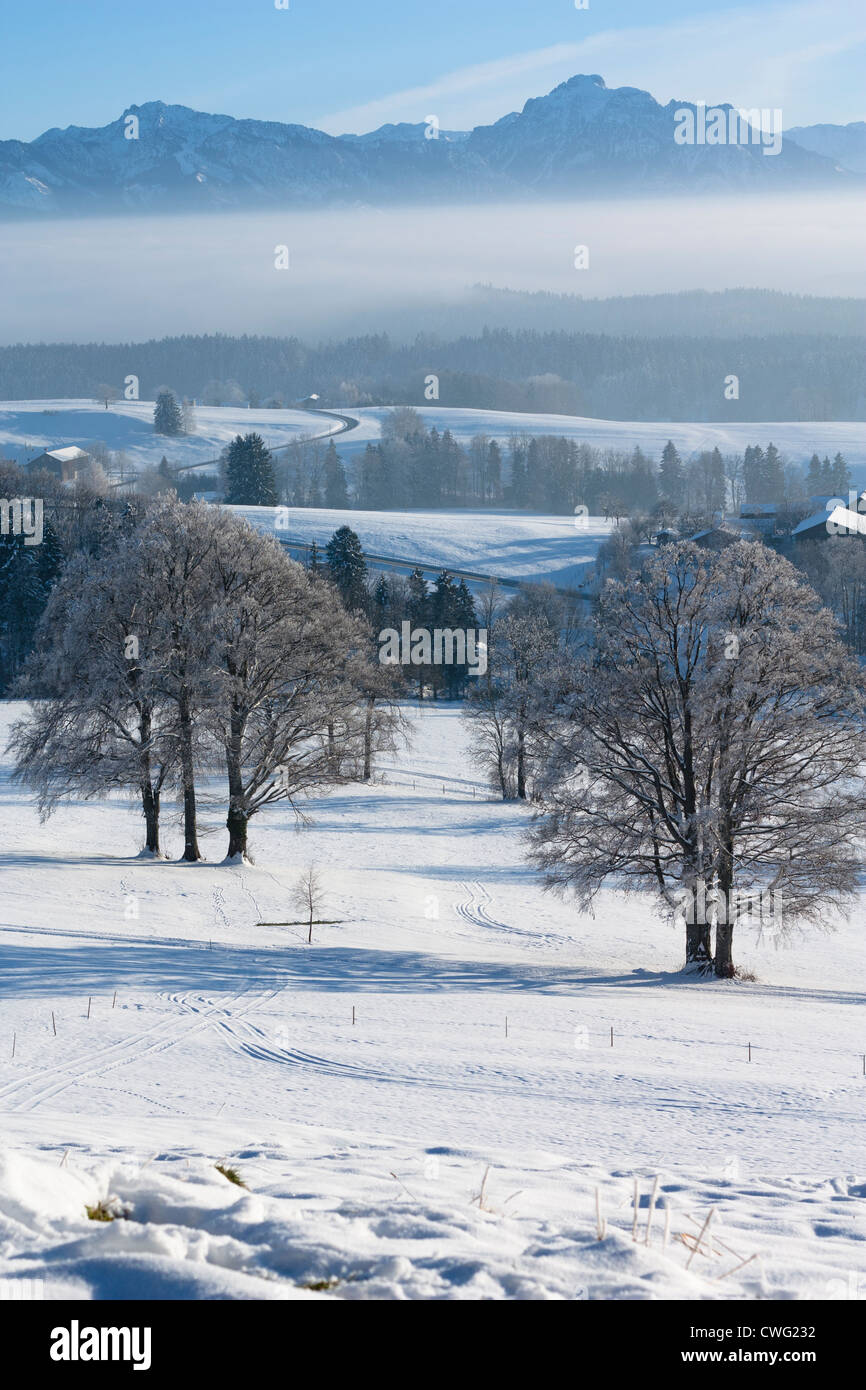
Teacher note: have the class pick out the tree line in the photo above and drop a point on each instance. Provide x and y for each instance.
(783, 376)
(413, 466)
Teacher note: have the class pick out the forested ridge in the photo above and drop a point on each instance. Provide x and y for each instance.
(787, 376)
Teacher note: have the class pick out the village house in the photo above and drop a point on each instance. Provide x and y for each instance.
(65, 464)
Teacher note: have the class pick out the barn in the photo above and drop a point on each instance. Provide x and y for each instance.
(65, 464)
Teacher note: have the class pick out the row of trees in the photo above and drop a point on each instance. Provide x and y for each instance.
(194, 641)
(619, 375)
(702, 737)
(415, 467)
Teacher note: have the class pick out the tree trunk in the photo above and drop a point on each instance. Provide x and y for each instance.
(191, 851)
(368, 740)
(149, 797)
(698, 944)
(150, 806)
(332, 748)
(237, 822)
(500, 768)
(521, 765)
(724, 962)
(238, 818)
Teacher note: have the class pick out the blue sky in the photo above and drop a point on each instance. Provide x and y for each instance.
(347, 65)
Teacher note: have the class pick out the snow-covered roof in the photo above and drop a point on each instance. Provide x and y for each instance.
(847, 522)
(66, 455)
(759, 509)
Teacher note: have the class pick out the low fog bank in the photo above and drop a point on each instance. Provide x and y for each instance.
(405, 271)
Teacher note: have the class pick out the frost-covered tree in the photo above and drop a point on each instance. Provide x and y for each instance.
(288, 661)
(176, 552)
(521, 644)
(708, 744)
(98, 721)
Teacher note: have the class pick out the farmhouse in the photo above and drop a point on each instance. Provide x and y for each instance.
(65, 464)
(840, 521)
(759, 517)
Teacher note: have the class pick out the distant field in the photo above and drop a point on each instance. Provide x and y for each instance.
(506, 544)
(796, 440)
(28, 427)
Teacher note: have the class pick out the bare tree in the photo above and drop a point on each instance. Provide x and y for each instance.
(708, 744)
(97, 721)
(288, 662)
(520, 643)
(107, 393)
(308, 896)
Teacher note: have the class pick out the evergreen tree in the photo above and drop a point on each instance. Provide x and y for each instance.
(348, 568)
(314, 563)
(250, 473)
(167, 417)
(841, 477)
(774, 476)
(671, 480)
(336, 492)
(27, 576)
(717, 483)
(814, 481)
(419, 616)
(826, 475)
(419, 599)
(381, 602)
(754, 473)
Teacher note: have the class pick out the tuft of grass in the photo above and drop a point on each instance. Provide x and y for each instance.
(107, 1210)
(321, 1285)
(230, 1174)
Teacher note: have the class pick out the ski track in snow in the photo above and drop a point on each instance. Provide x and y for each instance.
(28, 1093)
(475, 910)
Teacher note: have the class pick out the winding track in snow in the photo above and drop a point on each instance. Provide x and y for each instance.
(29, 1092)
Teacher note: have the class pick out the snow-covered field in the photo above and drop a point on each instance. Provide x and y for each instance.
(28, 427)
(511, 545)
(797, 440)
(397, 1137)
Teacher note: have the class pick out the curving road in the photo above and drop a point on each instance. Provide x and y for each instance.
(346, 423)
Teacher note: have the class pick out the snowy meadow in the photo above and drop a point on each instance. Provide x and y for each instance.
(427, 1101)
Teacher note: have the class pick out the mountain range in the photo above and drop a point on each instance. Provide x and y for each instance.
(581, 139)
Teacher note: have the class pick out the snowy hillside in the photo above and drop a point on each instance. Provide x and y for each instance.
(28, 427)
(508, 545)
(796, 440)
(423, 1103)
